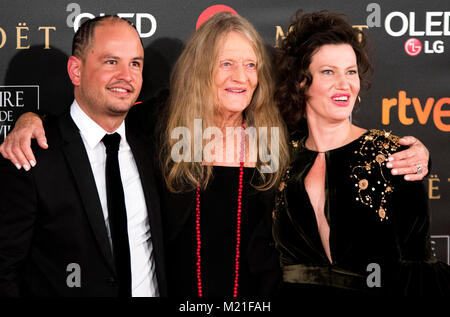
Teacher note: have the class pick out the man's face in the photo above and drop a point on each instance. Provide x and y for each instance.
(111, 73)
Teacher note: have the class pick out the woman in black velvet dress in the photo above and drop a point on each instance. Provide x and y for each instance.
(343, 223)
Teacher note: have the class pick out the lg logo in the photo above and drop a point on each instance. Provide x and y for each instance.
(145, 23)
(413, 47)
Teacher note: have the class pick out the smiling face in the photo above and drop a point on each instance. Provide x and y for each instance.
(109, 79)
(335, 83)
(235, 75)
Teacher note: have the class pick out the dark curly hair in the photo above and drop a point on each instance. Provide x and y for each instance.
(307, 33)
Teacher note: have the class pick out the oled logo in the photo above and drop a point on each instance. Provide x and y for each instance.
(145, 23)
(425, 24)
(413, 47)
(210, 11)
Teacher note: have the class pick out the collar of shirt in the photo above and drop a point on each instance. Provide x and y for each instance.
(91, 131)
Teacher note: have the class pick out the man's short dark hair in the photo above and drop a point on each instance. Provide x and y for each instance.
(84, 37)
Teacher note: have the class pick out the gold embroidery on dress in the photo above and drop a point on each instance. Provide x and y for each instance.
(280, 195)
(374, 151)
(280, 198)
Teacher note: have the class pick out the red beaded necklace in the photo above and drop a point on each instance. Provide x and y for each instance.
(238, 228)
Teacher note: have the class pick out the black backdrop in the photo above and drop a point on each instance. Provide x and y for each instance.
(410, 49)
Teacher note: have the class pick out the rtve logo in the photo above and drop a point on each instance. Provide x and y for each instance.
(422, 110)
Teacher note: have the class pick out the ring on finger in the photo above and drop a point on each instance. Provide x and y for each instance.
(419, 169)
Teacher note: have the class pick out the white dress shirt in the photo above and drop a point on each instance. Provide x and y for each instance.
(143, 275)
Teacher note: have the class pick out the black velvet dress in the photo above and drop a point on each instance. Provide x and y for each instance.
(379, 225)
(259, 271)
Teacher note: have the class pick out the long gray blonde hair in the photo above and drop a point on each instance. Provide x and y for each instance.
(191, 97)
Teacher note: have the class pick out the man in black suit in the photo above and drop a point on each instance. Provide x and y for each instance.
(67, 227)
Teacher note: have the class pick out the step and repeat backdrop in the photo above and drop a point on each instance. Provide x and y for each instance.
(409, 46)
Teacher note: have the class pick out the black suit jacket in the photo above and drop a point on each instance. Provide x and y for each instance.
(51, 217)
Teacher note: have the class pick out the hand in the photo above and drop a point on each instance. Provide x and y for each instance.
(17, 145)
(407, 162)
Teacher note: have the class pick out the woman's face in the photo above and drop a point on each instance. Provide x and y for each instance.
(235, 75)
(335, 83)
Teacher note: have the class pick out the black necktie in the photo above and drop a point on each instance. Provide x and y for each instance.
(117, 214)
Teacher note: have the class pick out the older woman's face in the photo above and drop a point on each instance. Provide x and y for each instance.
(335, 82)
(235, 77)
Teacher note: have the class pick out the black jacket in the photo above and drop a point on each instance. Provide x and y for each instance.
(51, 217)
